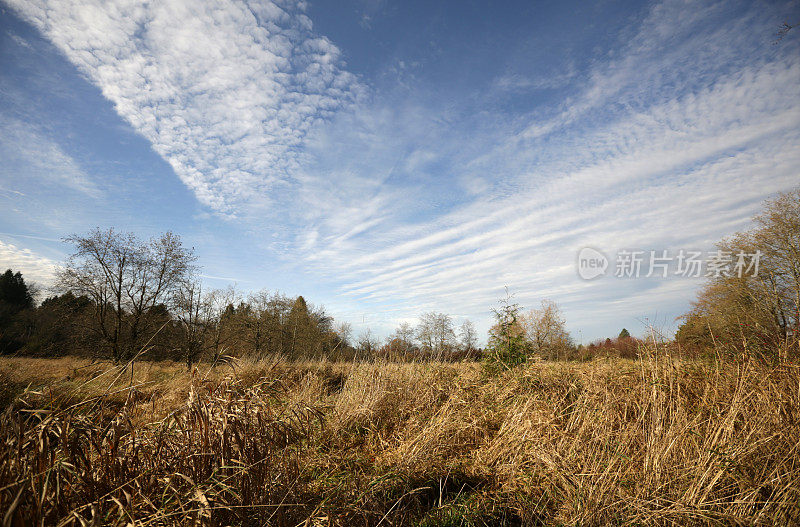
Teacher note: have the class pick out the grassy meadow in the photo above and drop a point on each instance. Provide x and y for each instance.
(652, 441)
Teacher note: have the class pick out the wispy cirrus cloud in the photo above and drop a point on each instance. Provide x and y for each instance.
(672, 142)
(408, 199)
(24, 149)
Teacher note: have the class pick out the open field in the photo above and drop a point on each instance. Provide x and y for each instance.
(648, 442)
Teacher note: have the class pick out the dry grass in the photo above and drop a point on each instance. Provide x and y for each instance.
(653, 442)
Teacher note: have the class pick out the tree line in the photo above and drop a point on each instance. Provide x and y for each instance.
(123, 298)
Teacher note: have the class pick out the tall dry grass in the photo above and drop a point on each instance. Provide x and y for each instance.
(649, 442)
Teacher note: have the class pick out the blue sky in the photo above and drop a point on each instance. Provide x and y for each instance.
(390, 158)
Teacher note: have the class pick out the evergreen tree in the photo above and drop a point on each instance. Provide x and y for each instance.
(299, 328)
(15, 298)
(507, 346)
(15, 295)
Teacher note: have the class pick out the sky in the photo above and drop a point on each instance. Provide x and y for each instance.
(389, 158)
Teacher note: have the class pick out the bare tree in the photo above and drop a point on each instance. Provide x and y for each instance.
(204, 320)
(405, 335)
(435, 333)
(367, 344)
(193, 313)
(252, 323)
(424, 332)
(129, 281)
(546, 331)
(343, 332)
(220, 304)
(469, 337)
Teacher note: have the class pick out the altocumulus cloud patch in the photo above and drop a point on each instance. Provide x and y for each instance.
(224, 91)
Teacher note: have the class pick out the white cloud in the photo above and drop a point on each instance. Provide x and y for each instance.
(514, 82)
(19, 40)
(34, 267)
(224, 91)
(673, 143)
(24, 146)
(670, 141)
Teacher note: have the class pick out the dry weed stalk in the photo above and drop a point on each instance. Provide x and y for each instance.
(657, 441)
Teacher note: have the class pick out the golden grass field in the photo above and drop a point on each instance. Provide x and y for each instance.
(653, 441)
